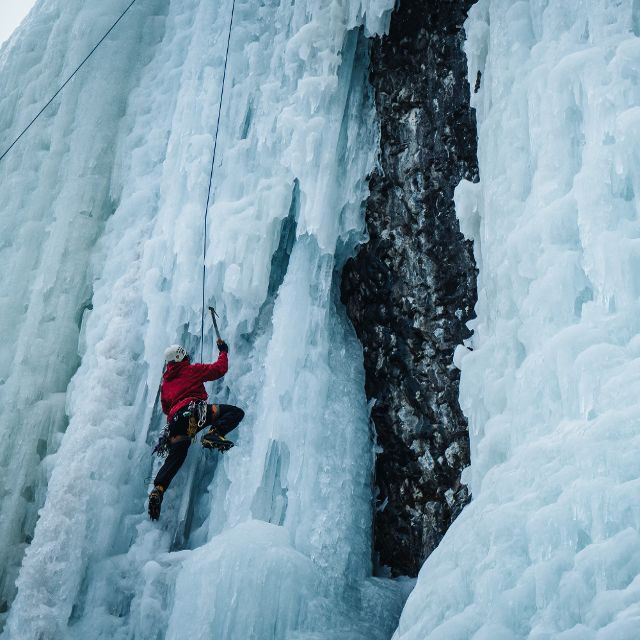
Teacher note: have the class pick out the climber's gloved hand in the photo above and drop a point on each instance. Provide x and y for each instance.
(223, 347)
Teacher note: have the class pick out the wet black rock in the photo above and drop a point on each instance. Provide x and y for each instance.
(411, 289)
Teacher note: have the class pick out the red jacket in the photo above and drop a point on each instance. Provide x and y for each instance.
(182, 382)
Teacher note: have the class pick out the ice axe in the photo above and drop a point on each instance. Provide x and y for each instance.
(215, 324)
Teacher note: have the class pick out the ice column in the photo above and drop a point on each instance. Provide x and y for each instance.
(54, 200)
(550, 545)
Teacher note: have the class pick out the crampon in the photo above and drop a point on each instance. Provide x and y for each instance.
(213, 440)
(155, 502)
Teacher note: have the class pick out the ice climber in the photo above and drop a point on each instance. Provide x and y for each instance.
(184, 401)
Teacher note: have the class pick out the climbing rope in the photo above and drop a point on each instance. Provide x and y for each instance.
(66, 82)
(213, 161)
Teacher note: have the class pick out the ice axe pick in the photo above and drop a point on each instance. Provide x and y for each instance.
(215, 324)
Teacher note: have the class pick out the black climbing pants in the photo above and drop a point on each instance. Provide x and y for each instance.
(227, 418)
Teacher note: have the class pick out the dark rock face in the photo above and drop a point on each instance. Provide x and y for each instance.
(411, 289)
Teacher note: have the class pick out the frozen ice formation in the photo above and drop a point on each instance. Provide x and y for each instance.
(101, 214)
(101, 238)
(550, 545)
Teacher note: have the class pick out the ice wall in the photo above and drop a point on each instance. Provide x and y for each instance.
(550, 545)
(104, 223)
(54, 200)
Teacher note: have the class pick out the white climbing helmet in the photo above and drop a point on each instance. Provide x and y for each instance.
(175, 353)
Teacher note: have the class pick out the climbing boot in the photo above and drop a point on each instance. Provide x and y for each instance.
(214, 440)
(155, 502)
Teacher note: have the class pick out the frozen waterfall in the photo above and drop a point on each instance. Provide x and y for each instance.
(549, 548)
(101, 214)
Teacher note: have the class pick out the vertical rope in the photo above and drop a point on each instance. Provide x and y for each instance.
(213, 161)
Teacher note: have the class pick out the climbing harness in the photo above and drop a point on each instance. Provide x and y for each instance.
(213, 160)
(66, 82)
(196, 412)
(197, 417)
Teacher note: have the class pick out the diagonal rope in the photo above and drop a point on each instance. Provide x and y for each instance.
(213, 161)
(66, 82)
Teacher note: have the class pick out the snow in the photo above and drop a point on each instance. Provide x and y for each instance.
(101, 246)
(550, 545)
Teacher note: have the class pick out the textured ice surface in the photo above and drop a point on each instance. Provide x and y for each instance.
(550, 545)
(101, 240)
